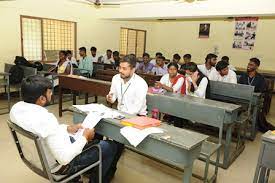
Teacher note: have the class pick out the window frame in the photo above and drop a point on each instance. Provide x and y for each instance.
(137, 30)
(42, 37)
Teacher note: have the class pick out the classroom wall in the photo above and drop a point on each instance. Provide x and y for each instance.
(91, 29)
(182, 37)
(169, 37)
(193, 9)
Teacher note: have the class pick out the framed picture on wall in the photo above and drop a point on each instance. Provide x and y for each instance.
(204, 30)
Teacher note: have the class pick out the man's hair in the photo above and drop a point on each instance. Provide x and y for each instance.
(82, 49)
(187, 56)
(191, 66)
(225, 58)
(93, 48)
(158, 54)
(115, 53)
(176, 56)
(221, 65)
(33, 87)
(69, 52)
(109, 51)
(146, 55)
(63, 52)
(210, 56)
(173, 64)
(256, 61)
(162, 58)
(130, 59)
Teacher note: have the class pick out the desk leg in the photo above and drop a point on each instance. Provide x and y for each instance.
(187, 173)
(86, 98)
(60, 95)
(254, 123)
(74, 97)
(226, 158)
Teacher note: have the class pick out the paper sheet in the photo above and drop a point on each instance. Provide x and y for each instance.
(136, 136)
(95, 112)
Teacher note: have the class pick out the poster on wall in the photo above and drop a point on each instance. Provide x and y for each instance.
(245, 33)
(204, 30)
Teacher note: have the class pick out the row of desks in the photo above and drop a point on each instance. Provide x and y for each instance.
(185, 107)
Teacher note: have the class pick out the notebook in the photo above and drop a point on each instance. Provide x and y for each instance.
(140, 122)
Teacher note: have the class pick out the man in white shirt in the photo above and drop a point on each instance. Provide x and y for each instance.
(94, 56)
(160, 68)
(31, 115)
(71, 59)
(226, 59)
(209, 65)
(108, 59)
(223, 73)
(128, 88)
(154, 61)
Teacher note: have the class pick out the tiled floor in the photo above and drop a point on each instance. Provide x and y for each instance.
(132, 167)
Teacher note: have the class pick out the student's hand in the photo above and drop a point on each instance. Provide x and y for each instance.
(109, 98)
(158, 85)
(74, 128)
(89, 134)
(195, 77)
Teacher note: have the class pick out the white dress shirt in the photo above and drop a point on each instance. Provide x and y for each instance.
(94, 58)
(131, 95)
(73, 61)
(38, 120)
(153, 61)
(231, 77)
(232, 67)
(177, 87)
(204, 70)
(160, 71)
(107, 60)
(200, 91)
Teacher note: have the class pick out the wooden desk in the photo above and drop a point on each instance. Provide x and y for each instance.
(180, 150)
(202, 111)
(82, 84)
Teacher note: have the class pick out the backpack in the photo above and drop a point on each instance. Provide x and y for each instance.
(17, 74)
(22, 61)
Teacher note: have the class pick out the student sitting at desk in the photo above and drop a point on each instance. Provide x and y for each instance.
(108, 59)
(145, 66)
(116, 59)
(65, 154)
(252, 77)
(71, 59)
(63, 66)
(160, 69)
(209, 65)
(223, 73)
(173, 81)
(85, 63)
(196, 82)
(176, 59)
(128, 88)
(226, 59)
(182, 64)
(94, 56)
(154, 61)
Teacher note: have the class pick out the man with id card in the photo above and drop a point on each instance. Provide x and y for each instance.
(128, 88)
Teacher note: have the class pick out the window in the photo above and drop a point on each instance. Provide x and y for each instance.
(43, 38)
(132, 41)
